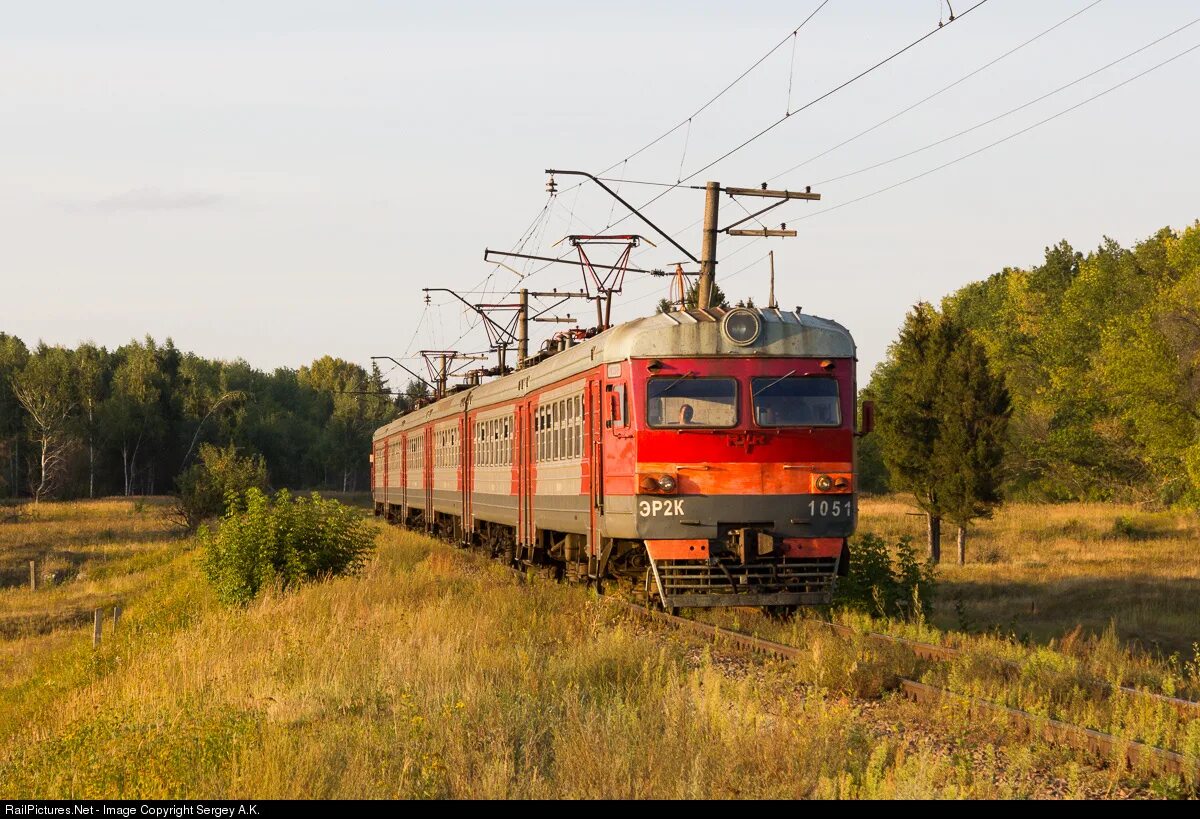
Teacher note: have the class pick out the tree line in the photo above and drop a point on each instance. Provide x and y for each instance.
(89, 421)
(1075, 379)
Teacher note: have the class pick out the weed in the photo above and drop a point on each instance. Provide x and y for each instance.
(886, 581)
(285, 541)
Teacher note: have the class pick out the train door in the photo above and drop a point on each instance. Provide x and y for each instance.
(403, 487)
(384, 484)
(427, 469)
(595, 438)
(524, 476)
(466, 483)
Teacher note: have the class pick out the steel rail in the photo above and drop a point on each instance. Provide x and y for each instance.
(1075, 736)
(932, 651)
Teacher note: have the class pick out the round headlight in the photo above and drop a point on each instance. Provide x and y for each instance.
(742, 326)
(824, 483)
(666, 483)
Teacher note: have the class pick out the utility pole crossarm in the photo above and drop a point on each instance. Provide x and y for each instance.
(784, 233)
(708, 259)
(806, 194)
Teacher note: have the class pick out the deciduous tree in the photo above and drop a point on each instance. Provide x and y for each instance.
(44, 388)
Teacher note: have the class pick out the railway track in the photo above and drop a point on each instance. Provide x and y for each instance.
(1077, 737)
(1073, 736)
(930, 651)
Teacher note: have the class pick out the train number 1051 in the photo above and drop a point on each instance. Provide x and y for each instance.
(829, 508)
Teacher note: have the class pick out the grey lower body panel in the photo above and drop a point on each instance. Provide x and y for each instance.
(620, 520)
(687, 517)
(447, 501)
(562, 513)
(494, 508)
(393, 495)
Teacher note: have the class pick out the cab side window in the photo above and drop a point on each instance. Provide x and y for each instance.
(615, 406)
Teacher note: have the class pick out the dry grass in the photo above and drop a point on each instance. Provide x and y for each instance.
(434, 674)
(1054, 604)
(1042, 570)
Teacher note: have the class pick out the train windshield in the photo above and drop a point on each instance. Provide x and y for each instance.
(796, 402)
(675, 403)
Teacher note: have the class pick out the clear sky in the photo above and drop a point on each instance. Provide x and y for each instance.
(277, 180)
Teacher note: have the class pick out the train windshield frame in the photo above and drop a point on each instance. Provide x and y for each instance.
(691, 402)
(796, 401)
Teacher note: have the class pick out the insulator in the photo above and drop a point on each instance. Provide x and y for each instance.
(552, 186)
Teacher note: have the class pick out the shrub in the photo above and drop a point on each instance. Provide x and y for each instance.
(216, 475)
(884, 584)
(283, 541)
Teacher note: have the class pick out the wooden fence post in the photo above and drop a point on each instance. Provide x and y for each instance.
(33, 575)
(99, 621)
(116, 618)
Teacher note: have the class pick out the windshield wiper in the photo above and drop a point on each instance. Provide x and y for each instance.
(761, 390)
(677, 382)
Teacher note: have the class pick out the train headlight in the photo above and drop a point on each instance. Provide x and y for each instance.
(824, 483)
(666, 483)
(742, 326)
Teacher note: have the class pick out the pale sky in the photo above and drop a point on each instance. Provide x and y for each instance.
(277, 180)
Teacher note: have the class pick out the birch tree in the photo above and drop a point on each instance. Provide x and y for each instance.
(44, 390)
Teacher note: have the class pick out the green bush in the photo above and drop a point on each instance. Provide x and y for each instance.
(886, 582)
(283, 541)
(217, 475)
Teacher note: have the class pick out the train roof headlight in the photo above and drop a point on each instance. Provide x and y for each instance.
(742, 326)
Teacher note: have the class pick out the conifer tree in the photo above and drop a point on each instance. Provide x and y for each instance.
(908, 423)
(944, 423)
(973, 409)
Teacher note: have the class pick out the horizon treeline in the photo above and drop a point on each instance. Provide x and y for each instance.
(1100, 352)
(89, 422)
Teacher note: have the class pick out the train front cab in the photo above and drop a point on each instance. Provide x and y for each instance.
(744, 478)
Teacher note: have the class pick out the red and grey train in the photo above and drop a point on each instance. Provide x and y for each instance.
(708, 454)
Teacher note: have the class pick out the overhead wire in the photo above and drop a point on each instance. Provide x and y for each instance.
(1000, 141)
(833, 91)
(787, 115)
(688, 122)
(719, 94)
(940, 91)
(1004, 139)
(1010, 111)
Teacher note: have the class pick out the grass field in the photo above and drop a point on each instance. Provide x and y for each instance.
(436, 674)
(1043, 570)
